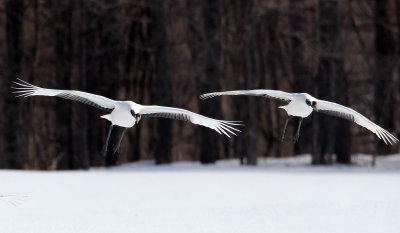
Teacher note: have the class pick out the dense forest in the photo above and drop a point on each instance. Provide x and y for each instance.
(168, 52)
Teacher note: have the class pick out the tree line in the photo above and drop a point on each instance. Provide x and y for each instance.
(168, 52)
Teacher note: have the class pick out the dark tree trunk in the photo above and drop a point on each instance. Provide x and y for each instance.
(95, 134)
(383, 77)
(342, 135)
(299, 67)
(63, 49)
(138, 57)
(328, 80)
(161, 82)
(11, 126)
(323, 127)
(209, 140)
(249, 53)
(343, 142)
(112, 76)
(297, 27)
(272, 20)
(80, 131)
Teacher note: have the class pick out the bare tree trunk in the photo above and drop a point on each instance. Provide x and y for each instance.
(297, 28)
(162, 82)
(32, 147)
(95, 134)
(272, 20)
(80, 132)
(112, 75)
(343, 142)
(138, 57)
(385, 65)
(63, 49)
(299, 67)
(209, 140)
(330, 69)
(11, 127)
(249, 50)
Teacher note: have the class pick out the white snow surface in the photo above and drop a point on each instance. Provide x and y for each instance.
(276, 196)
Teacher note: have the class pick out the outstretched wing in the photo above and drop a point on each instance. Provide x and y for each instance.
(224, 127)
(273, 94)
(24, 89)
(352, 115)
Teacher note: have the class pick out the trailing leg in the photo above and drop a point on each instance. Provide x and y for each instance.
(298, 131)
(108, 138)
(116, 148)
(284, 128)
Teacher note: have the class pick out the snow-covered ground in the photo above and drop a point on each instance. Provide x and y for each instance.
(276, 196)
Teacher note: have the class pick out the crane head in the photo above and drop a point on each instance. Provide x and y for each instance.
(137, 116)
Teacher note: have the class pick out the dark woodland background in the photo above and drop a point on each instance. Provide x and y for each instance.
(169, 52)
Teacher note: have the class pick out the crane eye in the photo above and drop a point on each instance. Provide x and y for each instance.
(133, 113)
(314, 103)
(308, 102)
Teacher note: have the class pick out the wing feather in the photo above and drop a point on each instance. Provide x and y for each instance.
(273, 94)
(352, 115)
(222, 127)
(24, 89)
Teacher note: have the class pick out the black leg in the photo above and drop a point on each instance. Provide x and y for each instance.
(284, 128)
(116, 148)
(108, 138)
(298, 131)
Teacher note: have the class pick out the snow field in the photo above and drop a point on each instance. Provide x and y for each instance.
(194, 198)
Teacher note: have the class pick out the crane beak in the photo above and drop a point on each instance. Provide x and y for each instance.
(314, 105)
(138, 117)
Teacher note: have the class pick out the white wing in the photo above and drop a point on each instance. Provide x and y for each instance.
(224, 127)
(350, 114)
(25, 89)
(281, 95)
